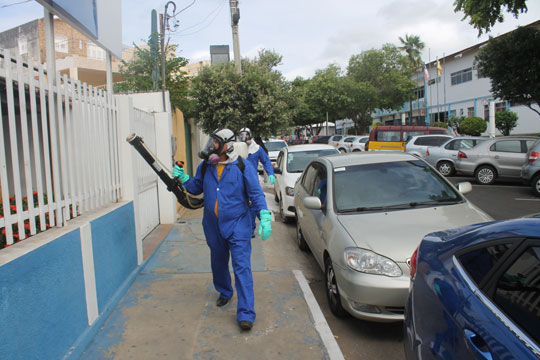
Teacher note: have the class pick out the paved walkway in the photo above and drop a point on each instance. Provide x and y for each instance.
(169, 311)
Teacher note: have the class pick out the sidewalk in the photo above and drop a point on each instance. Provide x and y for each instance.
(169, 311)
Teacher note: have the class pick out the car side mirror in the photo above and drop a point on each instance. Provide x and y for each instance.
(464, 187)
(312, 202)
(277, 170)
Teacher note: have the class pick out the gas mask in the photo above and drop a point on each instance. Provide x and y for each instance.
(245, 136)
(215, 146)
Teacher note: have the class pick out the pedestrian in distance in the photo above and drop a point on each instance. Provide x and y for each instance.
(256, 154)
(228, 182)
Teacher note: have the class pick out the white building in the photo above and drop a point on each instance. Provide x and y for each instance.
(458, 91)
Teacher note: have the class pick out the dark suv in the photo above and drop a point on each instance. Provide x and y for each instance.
(321, 140)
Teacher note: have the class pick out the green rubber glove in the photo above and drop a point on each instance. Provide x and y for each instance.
(272, 179)
(180, 173)
(265, 226)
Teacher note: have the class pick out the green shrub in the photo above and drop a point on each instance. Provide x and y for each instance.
(473, 126)
(439, 124)
(376, 123)
(455, 121)
(505, 121)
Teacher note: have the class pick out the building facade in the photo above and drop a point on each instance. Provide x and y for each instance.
(455, 88)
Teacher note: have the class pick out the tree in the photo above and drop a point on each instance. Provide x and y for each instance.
(473, 126)
(455, 122)
(138, 77)
(483, 14)
(304, 115)
(325, 94)
(512, 62)
(505, 121)
(412, 46)
(259, 98)
(381, 80)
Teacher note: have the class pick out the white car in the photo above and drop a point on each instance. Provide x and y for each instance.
(345, 144)
(273, 147)
(291, 161)
(359, 144)
(334, 140)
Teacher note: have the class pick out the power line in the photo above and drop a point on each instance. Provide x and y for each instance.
(178, 12)
(20, 2)
(214, 12)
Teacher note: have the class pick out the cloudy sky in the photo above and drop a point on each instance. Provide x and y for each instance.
(309, 34)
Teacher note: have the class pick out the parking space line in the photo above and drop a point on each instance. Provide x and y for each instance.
(329, 341)
(526, 199)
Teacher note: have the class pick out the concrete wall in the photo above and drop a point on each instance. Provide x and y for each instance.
(57, 289)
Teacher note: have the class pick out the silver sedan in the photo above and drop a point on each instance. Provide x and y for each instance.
(362, 216)
(443, 158)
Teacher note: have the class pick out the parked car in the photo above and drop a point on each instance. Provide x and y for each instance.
(394, 137)
(475, 293)
(359, 144)
(273, 147)
(500, 157)
(290, 163)
(418, 145)
(345, 144)
(334, 140)
(530, 172)
(362, 215)
(443, 158)
(321, 139)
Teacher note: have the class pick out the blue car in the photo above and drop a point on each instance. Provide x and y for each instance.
(475, 293)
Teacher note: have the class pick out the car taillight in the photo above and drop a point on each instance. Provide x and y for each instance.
(427, 152)
(413, 263)
(533, 156)
(461, 155)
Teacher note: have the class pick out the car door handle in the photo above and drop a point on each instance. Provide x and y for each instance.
(497, 156)
(478, 344)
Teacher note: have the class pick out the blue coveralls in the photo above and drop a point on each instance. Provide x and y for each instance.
(259, 155)
(230, 231)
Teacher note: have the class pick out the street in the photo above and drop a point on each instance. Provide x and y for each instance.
(361, 339)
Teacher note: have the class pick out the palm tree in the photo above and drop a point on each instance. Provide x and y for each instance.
(412, 46)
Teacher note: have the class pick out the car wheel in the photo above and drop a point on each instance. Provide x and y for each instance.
(485, 175)
(446, 168)
(343, 151)
(356, 150)
(284, 219)
(300, 238)
(332, 291)
(536, 185)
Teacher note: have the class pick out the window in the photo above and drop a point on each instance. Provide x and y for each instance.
(94, 52)
(309, 178)
(349, 140)
(500, 106)
(431, 141)
(463, 144)
(23, 45)
(388, 136)
(452, 113)
(61, 44)
(432, 81)
(279, 160)
(452, 145)
(297, 161)
(470, 111)
(337, 138)
(461, 76)
(319, 184)
(479, 262)
(419, 92)
(513, 146)
(518, 292)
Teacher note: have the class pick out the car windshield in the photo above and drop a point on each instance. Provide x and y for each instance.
(390, 186)
(298, 160)
(275, 145)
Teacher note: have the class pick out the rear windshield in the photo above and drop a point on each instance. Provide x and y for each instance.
(275, 145)
(399, 184)
(297, 161)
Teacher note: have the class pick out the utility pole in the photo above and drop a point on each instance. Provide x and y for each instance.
(235, 17)
(164, 23)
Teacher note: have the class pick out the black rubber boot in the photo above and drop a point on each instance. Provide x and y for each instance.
(245, 325)
(222, 301)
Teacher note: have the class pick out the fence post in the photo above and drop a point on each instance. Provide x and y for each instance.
(128, 174)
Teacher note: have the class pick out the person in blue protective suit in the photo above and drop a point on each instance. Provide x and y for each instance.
(255, 154)
(227, 219)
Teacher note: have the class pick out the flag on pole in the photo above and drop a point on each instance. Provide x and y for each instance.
(439, 67)
(426, 73)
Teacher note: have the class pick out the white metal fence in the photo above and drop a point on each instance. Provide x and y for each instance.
(58, 149)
